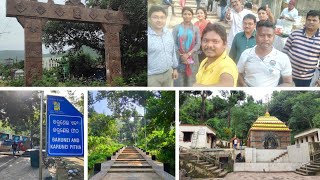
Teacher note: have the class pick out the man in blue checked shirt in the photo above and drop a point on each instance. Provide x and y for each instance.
(162, 60)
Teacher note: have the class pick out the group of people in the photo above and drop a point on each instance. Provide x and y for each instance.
(202, 54)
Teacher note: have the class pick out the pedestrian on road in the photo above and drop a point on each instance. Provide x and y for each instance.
(14, 148)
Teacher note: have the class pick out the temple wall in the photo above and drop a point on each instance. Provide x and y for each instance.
(299, 153)
(265, 167)
(253, 155)
(257, 138)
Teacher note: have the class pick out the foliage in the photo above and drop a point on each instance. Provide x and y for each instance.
(100, 148)
(162, 144)
(7, 70)
(299, 110)
(102, 125)
(20, 111)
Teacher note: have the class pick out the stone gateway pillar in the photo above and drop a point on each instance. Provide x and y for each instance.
(33, 15)
(33, 47)
(112, 51)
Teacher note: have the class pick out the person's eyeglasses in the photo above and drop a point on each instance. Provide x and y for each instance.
(248, 24)
(158, 18)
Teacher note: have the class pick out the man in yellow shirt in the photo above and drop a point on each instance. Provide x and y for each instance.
(218, 69)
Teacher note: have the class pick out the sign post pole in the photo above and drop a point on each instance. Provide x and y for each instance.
(40, 151)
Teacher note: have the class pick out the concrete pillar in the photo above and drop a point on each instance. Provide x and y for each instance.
(33, 47)
(112, 51)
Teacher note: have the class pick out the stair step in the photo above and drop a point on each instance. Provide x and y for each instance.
(301, 173)
(203, 163)
(209, 165)
(130, 160)
(195, 160)
(310, 168)
(306, 171)
(123, 162)
(222, 174)
(131, 166)
(137, 170)
(315, 163)
(217, 171)
(213, 168)
(314, 166)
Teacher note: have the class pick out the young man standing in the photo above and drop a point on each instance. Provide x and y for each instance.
(244, 40)
(162, 60)
(263, 65)
(303, 49)
(218, 69)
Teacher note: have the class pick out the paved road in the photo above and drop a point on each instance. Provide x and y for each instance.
(6, 160)
(20, 169)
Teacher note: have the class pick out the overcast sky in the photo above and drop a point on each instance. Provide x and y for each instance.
(11, 32)
(257, 94)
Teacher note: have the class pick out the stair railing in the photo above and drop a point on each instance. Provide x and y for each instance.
(314, 154)
(313, 160)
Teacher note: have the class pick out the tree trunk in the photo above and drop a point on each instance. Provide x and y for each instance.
(229, 111)
(203, 107)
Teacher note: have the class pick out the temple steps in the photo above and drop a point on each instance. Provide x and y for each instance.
(177, 18)
(309, 170)
(283, 155)
(222, 174)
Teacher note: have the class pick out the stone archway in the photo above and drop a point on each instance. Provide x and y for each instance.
(33, 16)
(271, 141)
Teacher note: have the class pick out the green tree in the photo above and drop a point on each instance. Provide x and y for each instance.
(133, 41)
(233, 97)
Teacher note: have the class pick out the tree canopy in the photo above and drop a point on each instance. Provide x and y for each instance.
(300, 110)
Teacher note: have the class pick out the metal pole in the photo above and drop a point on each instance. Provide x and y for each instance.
(40, 151)
(145, 128)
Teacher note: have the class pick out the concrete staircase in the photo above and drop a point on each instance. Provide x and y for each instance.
(310, 169)
(130, 161)
(209, 169)
(177, 18)
(281, 158)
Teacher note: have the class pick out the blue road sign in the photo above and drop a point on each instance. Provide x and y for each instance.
(64, 128)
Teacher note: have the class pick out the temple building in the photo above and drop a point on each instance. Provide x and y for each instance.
(268, 132)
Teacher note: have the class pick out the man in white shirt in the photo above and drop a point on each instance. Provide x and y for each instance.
(235, 15)
(263, 65)
(289, 15)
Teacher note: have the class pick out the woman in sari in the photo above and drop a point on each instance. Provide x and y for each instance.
(187, 42)
(201, 24)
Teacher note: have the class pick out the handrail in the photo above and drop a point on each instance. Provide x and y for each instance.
(313, 160)
(314, 154)
(198, 154)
